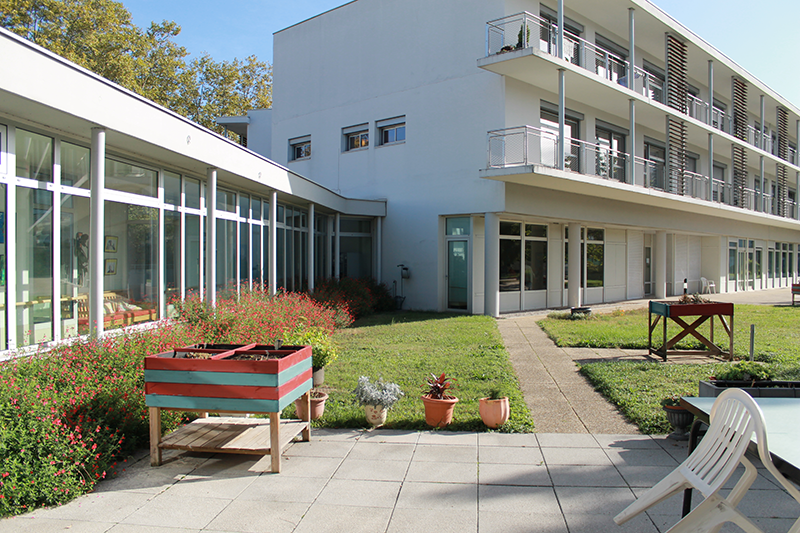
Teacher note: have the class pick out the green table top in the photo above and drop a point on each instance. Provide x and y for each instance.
(782, 418)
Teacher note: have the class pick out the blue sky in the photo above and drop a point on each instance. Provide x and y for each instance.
(761, 37)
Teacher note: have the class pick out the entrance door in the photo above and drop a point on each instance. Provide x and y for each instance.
(457, 274)
(648, 270)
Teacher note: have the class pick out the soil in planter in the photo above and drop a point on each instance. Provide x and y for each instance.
(198, 355)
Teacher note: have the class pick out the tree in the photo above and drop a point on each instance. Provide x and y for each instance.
(100, 35)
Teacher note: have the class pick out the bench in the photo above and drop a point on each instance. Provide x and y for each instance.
(795, 291)
(117, 311)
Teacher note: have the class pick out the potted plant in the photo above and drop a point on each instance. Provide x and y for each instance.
(494, 409)
(753, 377)
(377, 398)
(316, 402)
(323, 350)
(677, 415)
(439, 404)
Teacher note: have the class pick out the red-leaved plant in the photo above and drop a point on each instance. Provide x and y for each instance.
(438, 387)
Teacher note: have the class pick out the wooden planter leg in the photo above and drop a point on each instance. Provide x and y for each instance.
(275, 441)
(306, 434)
(155, 436)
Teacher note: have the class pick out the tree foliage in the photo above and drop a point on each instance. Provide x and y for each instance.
(100, 35)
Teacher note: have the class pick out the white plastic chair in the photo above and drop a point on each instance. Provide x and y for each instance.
(708, 286)
(735, 417)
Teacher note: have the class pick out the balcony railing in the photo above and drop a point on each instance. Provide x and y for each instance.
(526, 145)
(524, 30)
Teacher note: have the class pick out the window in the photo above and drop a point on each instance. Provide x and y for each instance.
(610, 60)
(656, 156)
(392, 130)
(535, 257)
(611, 157)
(594, 257)
(654, 82)
(34, 156)
(510, 256)
(548, 35)
(356, 137)
(549, 140)
(300, 148)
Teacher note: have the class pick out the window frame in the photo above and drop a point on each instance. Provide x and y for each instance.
(300, 143)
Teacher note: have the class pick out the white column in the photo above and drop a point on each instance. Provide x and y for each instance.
(161, 261)
(336, 241)
(491, 280)
(632, 141)
(211, 237)
(96, 228)
(56, 242)
(562, 116)
(329, 248)
(11, 244)
(273, 243)
(574, 267)
(378, 248)
(311, 273)
(660, 264)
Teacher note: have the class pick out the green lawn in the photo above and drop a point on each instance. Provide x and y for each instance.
(406, 348)
(637, 388)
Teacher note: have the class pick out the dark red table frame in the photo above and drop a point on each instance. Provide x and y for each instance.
(664, 311)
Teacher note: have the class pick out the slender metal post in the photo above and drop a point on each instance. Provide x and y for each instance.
(710, 114)
(311, 273)
(337, 239)
(562, 115)
(560, 29)
(631, 48)
(760, 143)
(97, 223)
(632, 141)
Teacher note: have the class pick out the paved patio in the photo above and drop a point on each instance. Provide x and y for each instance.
(395, 481)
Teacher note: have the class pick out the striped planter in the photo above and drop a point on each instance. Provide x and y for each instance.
(220, 384)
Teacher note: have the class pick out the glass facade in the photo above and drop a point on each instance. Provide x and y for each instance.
(153, 241)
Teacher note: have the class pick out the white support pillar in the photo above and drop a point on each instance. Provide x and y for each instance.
(311, 273)
(273, 243)
(11, 243)
(56, 243)
(562, 117)
(560, 30)
(632, 141)
(574, 267)
(329, 248)
(660, 264)
(797, 174)
(491, 280)
(631, 49)
(96, 228)
(378, 248)
(162, 247)
(211, 237)
(337, 250)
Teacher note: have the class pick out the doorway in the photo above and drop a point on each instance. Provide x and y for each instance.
(457, 274)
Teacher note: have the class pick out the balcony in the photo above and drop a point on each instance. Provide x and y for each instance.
(526, 30)
(526, 146)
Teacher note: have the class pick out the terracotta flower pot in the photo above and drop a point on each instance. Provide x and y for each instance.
(439, 413)
(376, 414)
(317, 406)
(494, 413)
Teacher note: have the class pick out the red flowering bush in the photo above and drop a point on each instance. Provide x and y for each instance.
(68, 416)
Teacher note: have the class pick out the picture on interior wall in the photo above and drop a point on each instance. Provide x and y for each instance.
(111, 244)
(111, 267)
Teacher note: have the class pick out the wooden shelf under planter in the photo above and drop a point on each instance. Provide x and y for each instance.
(232, 379)
(664, 311)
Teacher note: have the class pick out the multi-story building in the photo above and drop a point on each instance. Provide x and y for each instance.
(541, 155)
(111, 205)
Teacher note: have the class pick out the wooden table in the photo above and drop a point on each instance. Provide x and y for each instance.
(676, 312)
(783, 433)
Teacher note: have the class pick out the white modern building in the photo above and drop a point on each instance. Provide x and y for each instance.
(510, 137)
(111, 205)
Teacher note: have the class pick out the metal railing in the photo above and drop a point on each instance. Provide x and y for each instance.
(526, 145)
(753, 136)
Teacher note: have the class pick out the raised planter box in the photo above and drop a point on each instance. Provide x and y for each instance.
(227, 378)
(674, 311)
(759, 389)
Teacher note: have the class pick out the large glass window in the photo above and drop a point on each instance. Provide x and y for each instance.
(130, 178)
(34, 268)
(510, 256)
(549, 141)
(226, 257)
(595, 249)
(193, 253)
(535, 257)
(172, 188)
(130, 265)
(34, 156)
(4, 297)
(457, 226)
(192, 191)
(75, 165)
(74, 270)
(611, 157)
(244, 254)
(172, 255)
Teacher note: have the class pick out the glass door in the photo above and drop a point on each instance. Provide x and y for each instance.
(457, 274)
(648, 270)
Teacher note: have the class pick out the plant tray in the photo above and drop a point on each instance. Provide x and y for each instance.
(759, 389)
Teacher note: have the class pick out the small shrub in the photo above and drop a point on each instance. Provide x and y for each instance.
(745, 370)
(381, 392)
(323, 350)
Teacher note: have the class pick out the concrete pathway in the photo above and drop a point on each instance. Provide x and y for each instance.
(560, 399)
(397, 482)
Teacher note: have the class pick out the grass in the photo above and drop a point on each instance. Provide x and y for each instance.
(777, 338)
(637, 388)
(406, 348)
